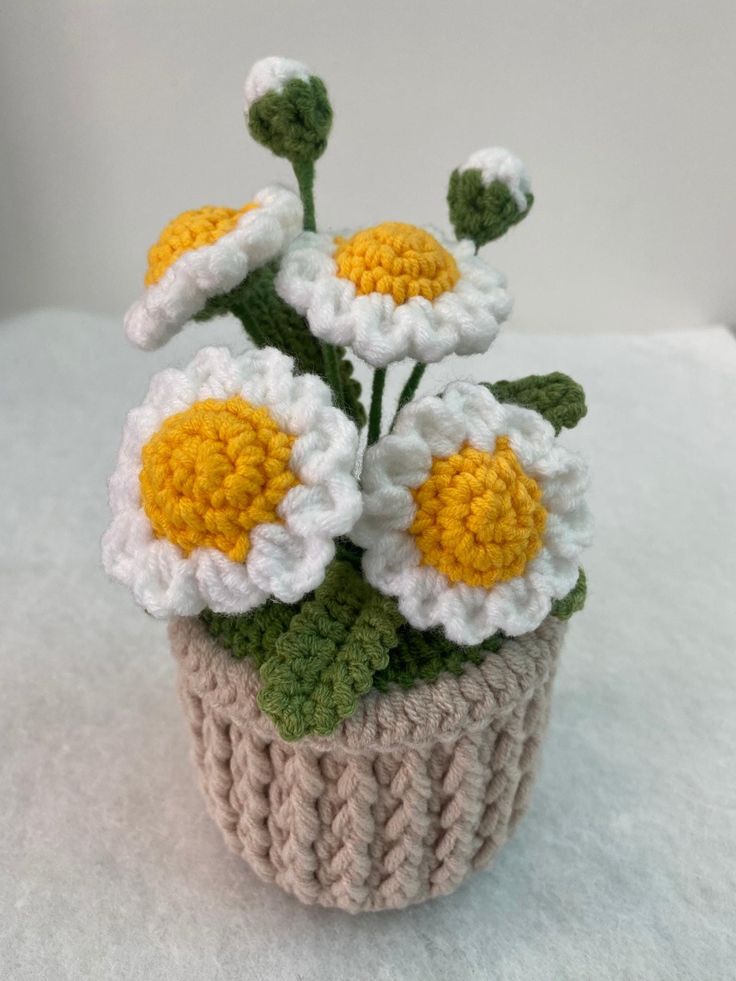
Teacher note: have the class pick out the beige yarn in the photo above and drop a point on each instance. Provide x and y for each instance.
(407, 797)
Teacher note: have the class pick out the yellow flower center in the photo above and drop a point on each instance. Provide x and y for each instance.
(212, 473)
(400, 260)
(479, 519)
(190, 230)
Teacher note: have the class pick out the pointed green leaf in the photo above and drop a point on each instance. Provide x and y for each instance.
(555, 396)
(327, 658)
(564, 608)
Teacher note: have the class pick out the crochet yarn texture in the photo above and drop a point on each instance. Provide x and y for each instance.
(479, 517)
(397, 259)
(367, 625)
(190, 230)
(401, 803)
(213, 473)
(269, 321)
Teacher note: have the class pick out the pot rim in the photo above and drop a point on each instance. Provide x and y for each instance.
(427, 712)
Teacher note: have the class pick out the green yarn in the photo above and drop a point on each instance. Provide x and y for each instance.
(318, 657)
(326, 659)
(252, 635)
(410, 388)
(424, 656)
(574, 601)
(374, 416)
(555, 396)
(482, 212)
(295, 122)
(268, 320)
(304, 173)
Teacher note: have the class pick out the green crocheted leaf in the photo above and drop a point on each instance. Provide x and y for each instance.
(327, 658)
(555, 396)
(270, 321)
(252, 635)
(295, 122)
(479, 211)
(424, 656)
(574, 601)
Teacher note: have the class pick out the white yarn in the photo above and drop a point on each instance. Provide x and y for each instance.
(285, 560)
(271, 75)
(496, 163)
(464, 320)
(435, 427)
(197, 275)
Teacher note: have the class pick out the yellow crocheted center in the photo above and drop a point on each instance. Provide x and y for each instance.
(479, 519)
(214, 472)
(401, 260)
(190, 230)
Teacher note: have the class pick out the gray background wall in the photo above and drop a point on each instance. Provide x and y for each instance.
(117, 115)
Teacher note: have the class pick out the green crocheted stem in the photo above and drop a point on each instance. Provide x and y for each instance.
(410, 388)
(327, 657)
(482, 212)
(574, 601)
(555, 396)
(295, 122)
(304, 172)
(374, 416)
(330, 360)
(268, 320)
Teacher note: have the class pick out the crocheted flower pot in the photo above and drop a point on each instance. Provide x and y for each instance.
(403, 801)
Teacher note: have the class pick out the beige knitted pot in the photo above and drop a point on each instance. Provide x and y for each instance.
(407, 797)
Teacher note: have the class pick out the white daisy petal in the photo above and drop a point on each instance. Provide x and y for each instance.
(450, 303)
(426, 573)
(195, 275)
(285, 565)
(286, 556)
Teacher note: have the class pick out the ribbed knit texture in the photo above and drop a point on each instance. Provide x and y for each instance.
(407, 797)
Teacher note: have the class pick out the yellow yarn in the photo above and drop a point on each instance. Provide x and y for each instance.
(400, 260)
(212, 473)
(479, 519)
(190, 230)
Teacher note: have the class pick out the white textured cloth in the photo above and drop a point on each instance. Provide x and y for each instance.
(624, 866)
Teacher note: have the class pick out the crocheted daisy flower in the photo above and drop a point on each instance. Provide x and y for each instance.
(207, 252)
(232, 481)
(473, 515)
(394, 291)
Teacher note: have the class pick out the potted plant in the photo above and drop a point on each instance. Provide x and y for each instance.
(366, 608)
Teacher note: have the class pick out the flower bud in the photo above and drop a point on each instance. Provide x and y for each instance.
(488, 194)
(287, 109)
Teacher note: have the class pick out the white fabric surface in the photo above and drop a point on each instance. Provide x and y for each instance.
(624, 867)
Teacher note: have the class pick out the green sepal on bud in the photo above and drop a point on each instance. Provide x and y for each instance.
(288, 109)
(488, 194)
